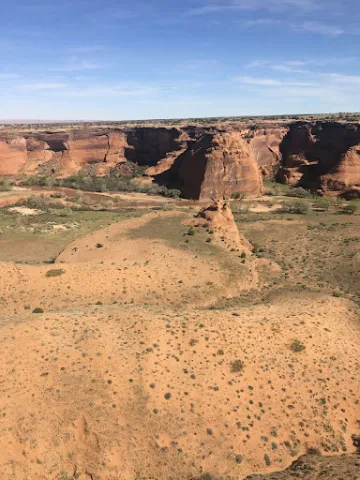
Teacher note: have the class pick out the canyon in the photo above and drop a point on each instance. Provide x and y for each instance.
(201, 161)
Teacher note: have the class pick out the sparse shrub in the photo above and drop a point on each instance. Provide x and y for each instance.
(5, 185)
(237, 366)
(99, 245)
(55, 272)
(205, 476)
(298, 192)
(275, 189)
(112, 183)
(351, 207)
(298, 207)
(238, 207)
(38, 310)
(296, 346)
(313, 451)
(191, 231)
(61, 212)
(324, 203)
(237, 195)
(337, 294)
(256, 249)
(42, 202)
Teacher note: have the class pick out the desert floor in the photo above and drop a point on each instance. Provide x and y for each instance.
(141, 342)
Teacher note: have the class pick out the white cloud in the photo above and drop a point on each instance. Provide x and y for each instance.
(319, 29)
(271, 5)
(260, 22)
(44, 86)
(8, 75)
(288, 69)
(287, 66)
(75, 66)
(86, 49)
(94, 91)
(271, 82)
(197, 65)
(345, 79)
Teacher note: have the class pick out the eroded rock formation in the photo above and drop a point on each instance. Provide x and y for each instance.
(322, 156)
(202, 162)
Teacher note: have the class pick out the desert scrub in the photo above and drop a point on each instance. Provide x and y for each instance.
(296, 346)
(56, 272)
(237, 366)
(351, 207)
(297, 207)
(191, 231)
(323, 203)
(38, 310)
(298, 192)
(5, 185)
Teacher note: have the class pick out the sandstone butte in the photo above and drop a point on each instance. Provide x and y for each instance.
(202, 162)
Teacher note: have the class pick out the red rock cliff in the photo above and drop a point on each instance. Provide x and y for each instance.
(203, 162)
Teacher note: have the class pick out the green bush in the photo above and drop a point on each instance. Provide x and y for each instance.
(5, 185)
(38, 310)
(55, 272)
(299, 207)
(298, 192)
(108, 183)
(297, 346)
(324, 203)
(351, 207)
(191, 231)
(237, 366)
(42, 202)
(275, 189)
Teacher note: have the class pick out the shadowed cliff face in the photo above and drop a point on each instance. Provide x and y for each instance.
(147, 146)
(323, 156)
(202, 162)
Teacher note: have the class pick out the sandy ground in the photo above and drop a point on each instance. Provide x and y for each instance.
(25, 210)
(87, 391)
(131, 374)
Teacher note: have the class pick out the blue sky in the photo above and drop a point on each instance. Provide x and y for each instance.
(91, 59)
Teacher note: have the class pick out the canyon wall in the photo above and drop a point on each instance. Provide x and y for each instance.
(202, 162)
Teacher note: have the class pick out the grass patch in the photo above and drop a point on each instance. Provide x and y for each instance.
(316, 251)
(237, 366)
(38, 239)
(297, 207)
(55, 272)
(296, 346)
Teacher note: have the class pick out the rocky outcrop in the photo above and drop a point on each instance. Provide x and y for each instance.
(220, 218)
(202, 162)
(214, 165)
(322, 156)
